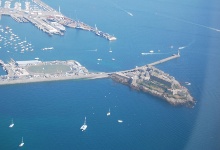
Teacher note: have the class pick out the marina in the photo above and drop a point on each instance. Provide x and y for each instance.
(47, 19)
(12, 43)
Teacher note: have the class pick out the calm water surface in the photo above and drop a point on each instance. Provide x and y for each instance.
(48, 115)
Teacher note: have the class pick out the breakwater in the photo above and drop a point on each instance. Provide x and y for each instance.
(146, 78)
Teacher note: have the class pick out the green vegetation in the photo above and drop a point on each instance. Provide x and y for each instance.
(48, 69)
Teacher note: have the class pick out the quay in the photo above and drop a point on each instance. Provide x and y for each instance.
(47, 19)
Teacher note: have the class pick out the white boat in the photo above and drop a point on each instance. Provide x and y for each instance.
(113, 58)
(120, 121)
(22, 143)
(130, 14)
(110, 51)
(151, 51)
(84, 126)
(36, 58)
(47, 48)
(182, 47)
(112, 38)
(99, 59)
(12, 124)
(108, 113)
(187, 83)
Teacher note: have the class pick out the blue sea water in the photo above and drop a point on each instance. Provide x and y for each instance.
(48, 115)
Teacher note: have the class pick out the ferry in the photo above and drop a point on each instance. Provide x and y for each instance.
(84, 126)
(22, 143)
(12, 124)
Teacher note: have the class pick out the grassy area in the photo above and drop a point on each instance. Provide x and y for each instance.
(48, 69)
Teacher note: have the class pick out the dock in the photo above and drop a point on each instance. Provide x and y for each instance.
(43, 17)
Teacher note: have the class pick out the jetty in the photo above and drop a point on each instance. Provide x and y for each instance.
(47, 19)
(165, 59)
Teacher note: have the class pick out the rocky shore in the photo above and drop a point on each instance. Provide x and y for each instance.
(155, 82)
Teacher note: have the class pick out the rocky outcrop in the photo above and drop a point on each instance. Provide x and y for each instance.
(155, 82)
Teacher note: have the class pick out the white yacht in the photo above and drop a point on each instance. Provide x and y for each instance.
(84, 126)
(120, 121)
(12, 124)
(22, 143)
(110, 51)
(187, 83)
(108, 113)
(130, 14)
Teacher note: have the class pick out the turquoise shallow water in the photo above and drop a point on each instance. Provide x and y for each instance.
(48, 115)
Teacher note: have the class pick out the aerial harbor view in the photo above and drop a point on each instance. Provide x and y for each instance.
(109, 75)
(46, 18)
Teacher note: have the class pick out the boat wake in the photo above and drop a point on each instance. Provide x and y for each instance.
(183, 47)
(189, 22)
(92, 50)
(120, 8)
